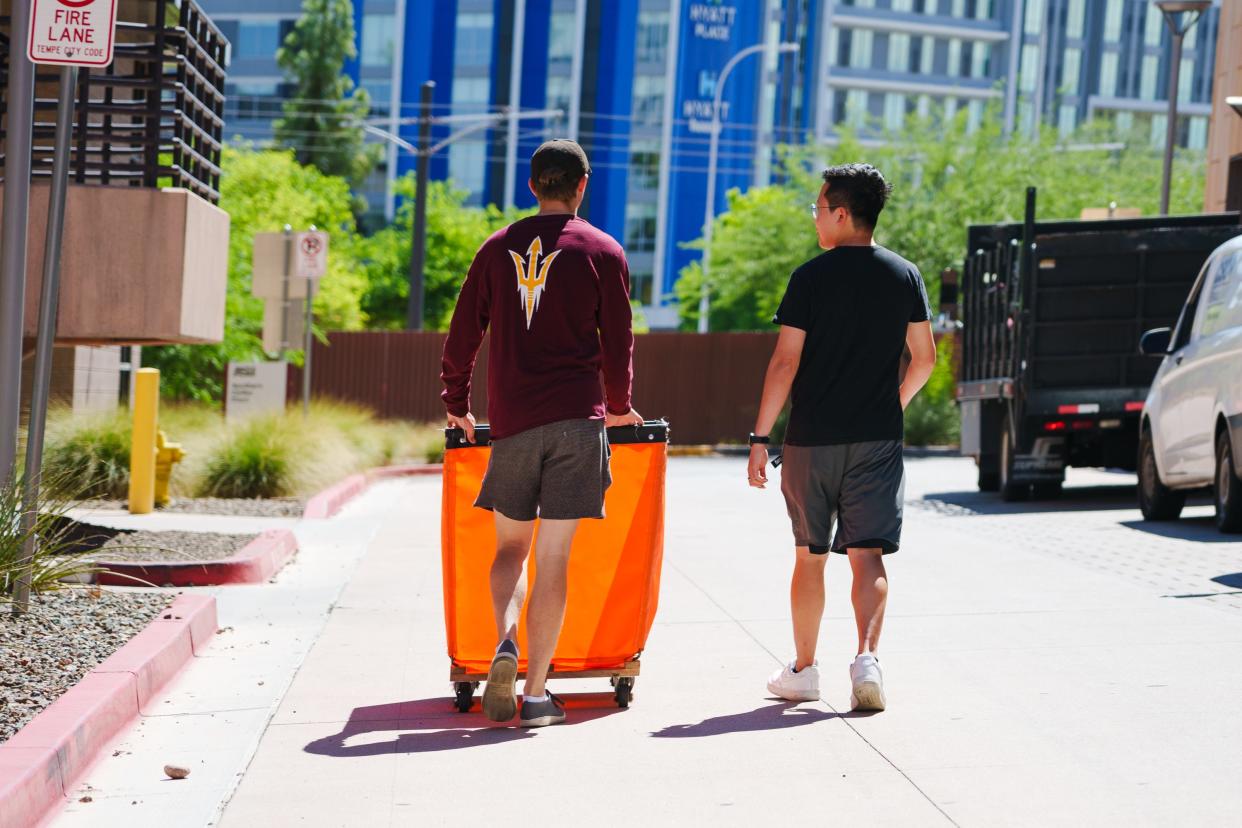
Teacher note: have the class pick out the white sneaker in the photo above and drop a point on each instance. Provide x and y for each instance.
(800, 686)
(868, 681)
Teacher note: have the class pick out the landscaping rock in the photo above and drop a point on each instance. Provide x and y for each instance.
(248, 507)
(171, 546)
(176, 771)
(63, 637)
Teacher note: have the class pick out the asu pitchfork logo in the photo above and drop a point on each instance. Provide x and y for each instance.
(532, 276)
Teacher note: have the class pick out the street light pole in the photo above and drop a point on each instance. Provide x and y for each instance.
(709, 211)
(418, 255)
(1178, 26)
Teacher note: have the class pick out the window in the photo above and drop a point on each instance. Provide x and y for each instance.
(1155, 25)
(903, 5)
(1186, 79)
(1034, 23)
(1071, 71)
(974, 115)
(252, 100)
(1197, 140)
(899, 53)
(894, 111)
(644, 164)
(468, 166)
(640, 228)
(956, 64)
(560, 92)
(380, 92)
(1147, 81)
(378, 31)
(1076, 17)
(258, 39)
(471, 91)
(861, 50)
(473, 43)
(1112, 21)
(562, 38)
(1067, 119)
(1108, 75)
(981, 62)
(648, 107)
(927, 55)
(651, 41)
(1223, 295)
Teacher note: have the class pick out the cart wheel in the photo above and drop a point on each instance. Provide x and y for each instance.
(465, 696)
(625, 690)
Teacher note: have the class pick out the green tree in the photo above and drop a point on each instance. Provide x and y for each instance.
(261, 192)
(323, 121)
(945, 177)
(454, 234)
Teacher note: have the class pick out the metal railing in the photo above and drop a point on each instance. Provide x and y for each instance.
(154, 118)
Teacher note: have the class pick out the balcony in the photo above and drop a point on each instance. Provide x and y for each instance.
(145, 253)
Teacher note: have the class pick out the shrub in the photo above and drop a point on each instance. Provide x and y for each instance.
(56, 555)
(256, 459)
(87, 456)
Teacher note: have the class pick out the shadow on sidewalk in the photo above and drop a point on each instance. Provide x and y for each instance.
(1198, 529)
(772, 717)
(437, 726)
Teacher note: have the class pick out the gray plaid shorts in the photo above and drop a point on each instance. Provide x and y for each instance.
(558, 471)
(858, 486)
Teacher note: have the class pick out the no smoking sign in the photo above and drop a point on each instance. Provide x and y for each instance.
(72, 32)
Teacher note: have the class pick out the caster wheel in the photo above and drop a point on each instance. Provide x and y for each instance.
(465, 696)
(625, 691)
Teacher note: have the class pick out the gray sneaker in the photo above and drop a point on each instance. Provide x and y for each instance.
(499, 701)
(544, 713)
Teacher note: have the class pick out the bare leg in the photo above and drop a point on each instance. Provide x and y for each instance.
(806, 599)
(870, 595)
(509, 574)
(546, 612)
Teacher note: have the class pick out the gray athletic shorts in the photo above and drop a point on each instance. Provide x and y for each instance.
(858, 486)
(558, 471)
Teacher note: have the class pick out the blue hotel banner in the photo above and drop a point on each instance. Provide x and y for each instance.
(710, 33)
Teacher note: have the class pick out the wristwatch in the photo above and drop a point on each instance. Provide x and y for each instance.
(756, 440)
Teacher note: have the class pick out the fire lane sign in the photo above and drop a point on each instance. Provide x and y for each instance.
(72, 32)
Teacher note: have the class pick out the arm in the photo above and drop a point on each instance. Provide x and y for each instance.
(616, 337)
(461, 348)
(782, 369)
(922, 348)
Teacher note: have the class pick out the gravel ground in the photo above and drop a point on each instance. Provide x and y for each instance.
(65, 635)
(171, 546)
(266, 507)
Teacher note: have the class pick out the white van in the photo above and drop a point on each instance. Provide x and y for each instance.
(1191, 430)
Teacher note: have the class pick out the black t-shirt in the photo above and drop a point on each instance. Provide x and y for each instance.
(854, 304)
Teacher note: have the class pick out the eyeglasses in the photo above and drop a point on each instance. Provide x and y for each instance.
(814, 211)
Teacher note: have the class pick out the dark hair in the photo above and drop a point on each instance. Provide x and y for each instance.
(556, 185)
(859, 188)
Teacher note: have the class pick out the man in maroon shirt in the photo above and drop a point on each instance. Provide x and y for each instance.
(555, 292)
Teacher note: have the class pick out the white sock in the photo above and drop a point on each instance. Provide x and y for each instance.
(536, 699)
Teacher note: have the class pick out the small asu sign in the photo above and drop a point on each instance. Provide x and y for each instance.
(255, 388)
(72, 32)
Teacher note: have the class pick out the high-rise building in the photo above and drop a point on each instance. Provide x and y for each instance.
(634, 80)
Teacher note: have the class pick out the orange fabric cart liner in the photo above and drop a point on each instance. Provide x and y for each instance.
(614, 569)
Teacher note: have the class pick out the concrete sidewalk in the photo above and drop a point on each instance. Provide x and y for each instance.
(1024, 689)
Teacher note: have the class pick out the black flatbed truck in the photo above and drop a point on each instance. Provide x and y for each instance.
(1052, 313)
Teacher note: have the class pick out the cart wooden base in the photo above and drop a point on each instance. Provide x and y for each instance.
(622, 678)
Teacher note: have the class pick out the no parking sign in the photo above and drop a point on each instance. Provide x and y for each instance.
(311, 254)
(72, 32)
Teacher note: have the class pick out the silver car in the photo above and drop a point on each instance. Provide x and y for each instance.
(1191, 431)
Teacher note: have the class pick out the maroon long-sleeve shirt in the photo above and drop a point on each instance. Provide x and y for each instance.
(555, 292)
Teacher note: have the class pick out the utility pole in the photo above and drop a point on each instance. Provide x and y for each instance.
(17, 139)
(418, 255)
(1178, 26)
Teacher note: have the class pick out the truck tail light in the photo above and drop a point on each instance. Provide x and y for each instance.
(1132, 407)
(1054, 425)
(1083, 425)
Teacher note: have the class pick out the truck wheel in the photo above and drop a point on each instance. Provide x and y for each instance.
(1228, 488)
(989, 474)
(1010, 491)
(1156, 500)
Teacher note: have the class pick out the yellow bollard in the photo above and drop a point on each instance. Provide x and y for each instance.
(166, 456)
(142, 446)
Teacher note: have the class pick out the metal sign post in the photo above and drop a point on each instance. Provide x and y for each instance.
(312, 264)
(70, 36)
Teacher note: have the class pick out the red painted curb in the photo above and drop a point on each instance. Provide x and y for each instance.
(254, 563)
(44, 760)
(332, 499)
(258, 560)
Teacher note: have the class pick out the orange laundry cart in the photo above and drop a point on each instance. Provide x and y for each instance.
(614, 570)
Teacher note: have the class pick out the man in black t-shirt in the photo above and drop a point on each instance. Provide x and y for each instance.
(846, 319)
